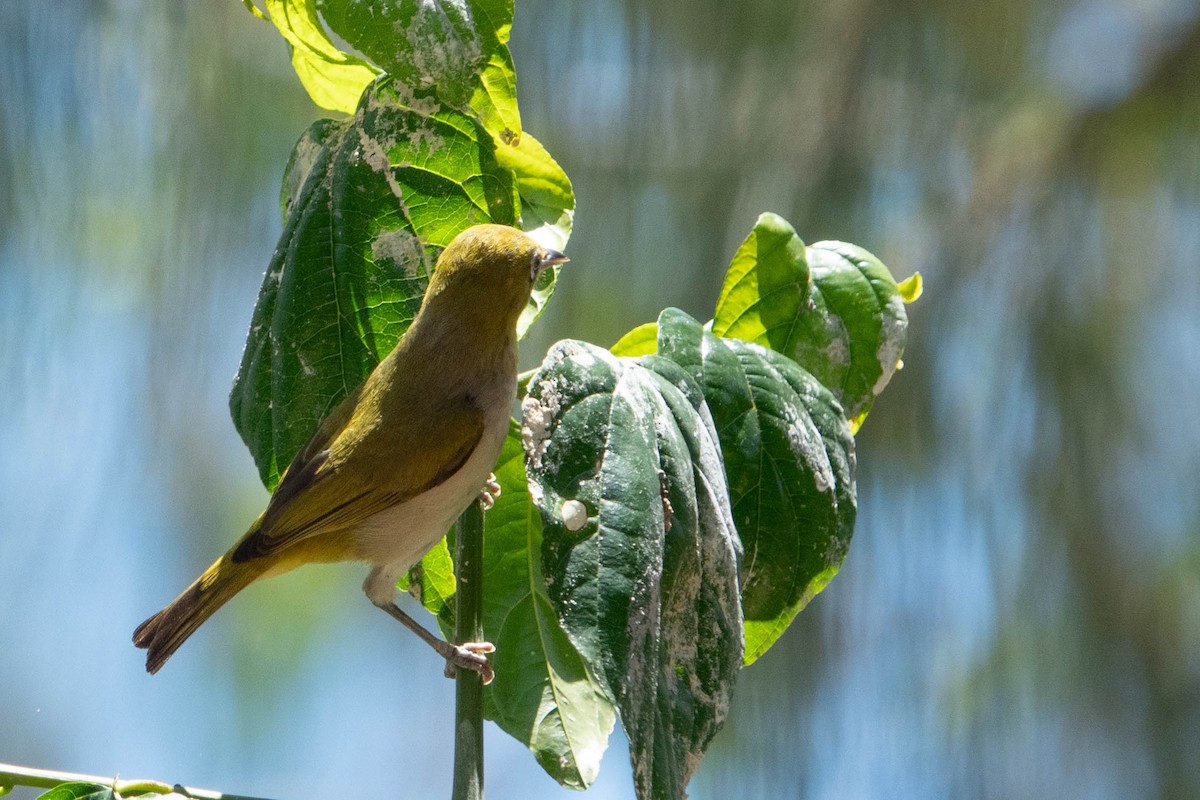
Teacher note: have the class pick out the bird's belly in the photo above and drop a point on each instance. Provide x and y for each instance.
(398, 537)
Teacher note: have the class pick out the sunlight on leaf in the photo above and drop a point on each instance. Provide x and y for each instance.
(911, 288)
(832, 307)
(641, 341)
(333, 79)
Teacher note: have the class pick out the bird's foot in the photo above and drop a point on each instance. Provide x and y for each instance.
(491, 490)
(469, 655)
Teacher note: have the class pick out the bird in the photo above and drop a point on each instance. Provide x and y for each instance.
(395, 463)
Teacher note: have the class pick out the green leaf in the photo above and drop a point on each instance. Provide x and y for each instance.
(547, 209)
(431, 582)
(544, 694)
(762, 299)
(911, 288)
(641, 341)
(333, 79)
(424, 46)
(454, 50)
(495, 99)
(80, 791)
(833, 307)
(789, 458)
(369, 203)
(639, 550)
(858, 326)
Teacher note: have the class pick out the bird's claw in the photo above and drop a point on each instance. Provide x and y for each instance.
(472, 656)
(491, 490)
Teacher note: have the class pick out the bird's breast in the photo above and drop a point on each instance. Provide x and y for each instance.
(398, 537)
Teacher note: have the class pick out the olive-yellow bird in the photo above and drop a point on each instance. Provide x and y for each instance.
(396, 462)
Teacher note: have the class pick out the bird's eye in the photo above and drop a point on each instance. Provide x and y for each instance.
(535, 268)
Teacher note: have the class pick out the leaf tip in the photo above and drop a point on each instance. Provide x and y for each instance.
(911, 288)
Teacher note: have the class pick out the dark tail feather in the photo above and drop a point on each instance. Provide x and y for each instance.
(162, 634)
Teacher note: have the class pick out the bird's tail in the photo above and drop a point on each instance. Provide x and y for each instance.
(162, 634)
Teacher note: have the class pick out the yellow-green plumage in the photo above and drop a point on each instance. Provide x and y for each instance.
(398, 460)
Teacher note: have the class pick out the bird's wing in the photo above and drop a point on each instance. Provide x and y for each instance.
(328, 489)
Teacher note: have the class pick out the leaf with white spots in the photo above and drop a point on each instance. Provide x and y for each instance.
(454, 50)
(646, 587)
(789, 458)
(369, 203)
(545, 694)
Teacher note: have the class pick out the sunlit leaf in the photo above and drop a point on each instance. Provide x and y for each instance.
(639, 550)
(911, 288)
(858, 327)
(789, 458)
(832, 307)
(763, 297)
(641, 341)
(431, 582)
(333, 79)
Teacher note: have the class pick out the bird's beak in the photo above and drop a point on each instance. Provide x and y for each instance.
(552, 257)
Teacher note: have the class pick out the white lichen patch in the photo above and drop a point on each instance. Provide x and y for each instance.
(304, 156)
(402, 248)
(837, 352)
(807, 447)
(434, 43)
(375, 153)
(891, 345)
(537, 418)
(425, 106)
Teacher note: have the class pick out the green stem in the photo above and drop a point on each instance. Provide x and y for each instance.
(468, 627)
(12, 775)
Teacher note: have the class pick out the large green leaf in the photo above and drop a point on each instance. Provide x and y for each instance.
(449, 48)
(639, 552)
(414, 166)
(369, 204)
(833, 307)
(333, 79)
(544, 694)
(789, 458)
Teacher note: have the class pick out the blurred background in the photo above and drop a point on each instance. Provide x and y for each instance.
(1019, 615)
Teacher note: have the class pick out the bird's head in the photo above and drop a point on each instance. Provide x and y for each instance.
(488, 271)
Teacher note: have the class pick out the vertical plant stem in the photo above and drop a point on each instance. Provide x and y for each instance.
(468, 627)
